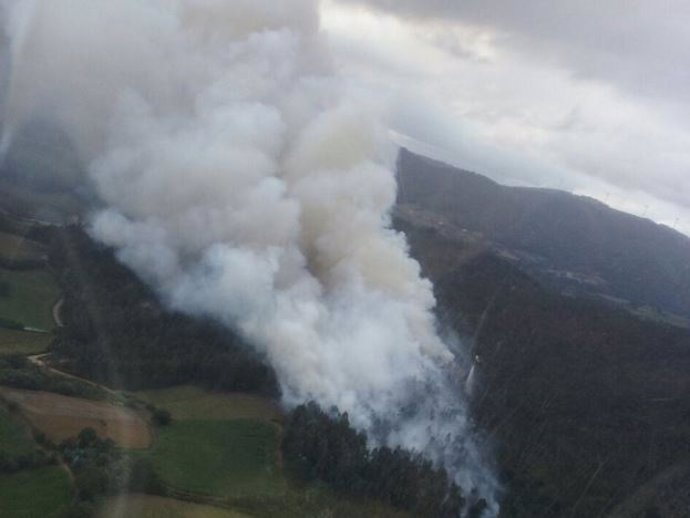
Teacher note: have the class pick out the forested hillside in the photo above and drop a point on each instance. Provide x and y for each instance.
(585, 403)
(571, 241)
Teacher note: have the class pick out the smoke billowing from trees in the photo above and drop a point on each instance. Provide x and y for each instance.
(245, 181)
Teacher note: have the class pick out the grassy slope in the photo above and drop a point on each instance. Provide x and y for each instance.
(31, 298)
(189, 402)
(222, 458)
(23, 342)
(17, 248)
(146, 506)
(197, 450)
(34, 494)
(13, 438)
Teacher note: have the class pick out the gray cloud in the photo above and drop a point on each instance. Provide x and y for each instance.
(642, 46)
(588, 96)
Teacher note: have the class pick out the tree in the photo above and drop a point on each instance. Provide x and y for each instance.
(161, 417)
(324, 447)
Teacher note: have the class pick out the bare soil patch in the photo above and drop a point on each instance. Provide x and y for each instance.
(61, 417)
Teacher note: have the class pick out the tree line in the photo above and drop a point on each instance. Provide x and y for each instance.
(116, 332)
(18, 372)
(325, 447)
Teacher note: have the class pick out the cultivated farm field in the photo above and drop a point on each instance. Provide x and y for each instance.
(60, 417)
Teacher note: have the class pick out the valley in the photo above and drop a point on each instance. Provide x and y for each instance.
(583, 401)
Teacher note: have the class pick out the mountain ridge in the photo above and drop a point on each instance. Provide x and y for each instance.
(573, 242)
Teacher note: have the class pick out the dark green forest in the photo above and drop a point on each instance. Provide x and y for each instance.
(584, 403)
(324, 447)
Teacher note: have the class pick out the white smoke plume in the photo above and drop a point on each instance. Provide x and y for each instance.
(245, 181)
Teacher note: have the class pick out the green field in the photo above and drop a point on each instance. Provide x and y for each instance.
(221, 458)
(36, 493)
(189, 402)
(145, 506)
(23, 342)
(317, 502)
(29, 298)
(17, 248)
(225, 445)
(13, 438)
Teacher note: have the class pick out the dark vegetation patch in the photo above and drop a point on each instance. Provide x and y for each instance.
(18, 372)
(101, 468)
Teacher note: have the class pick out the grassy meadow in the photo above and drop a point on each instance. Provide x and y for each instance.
(189, 402)
(14, 439)
(23, 342)
(37, 493)
(220, 458)
(27, 297)
(147, 506)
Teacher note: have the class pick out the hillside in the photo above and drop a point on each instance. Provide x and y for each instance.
(586, 404)
(574, 243)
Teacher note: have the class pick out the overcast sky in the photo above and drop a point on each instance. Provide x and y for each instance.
(587, 96)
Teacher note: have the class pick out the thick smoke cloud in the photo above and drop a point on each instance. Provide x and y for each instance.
(244, 181)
